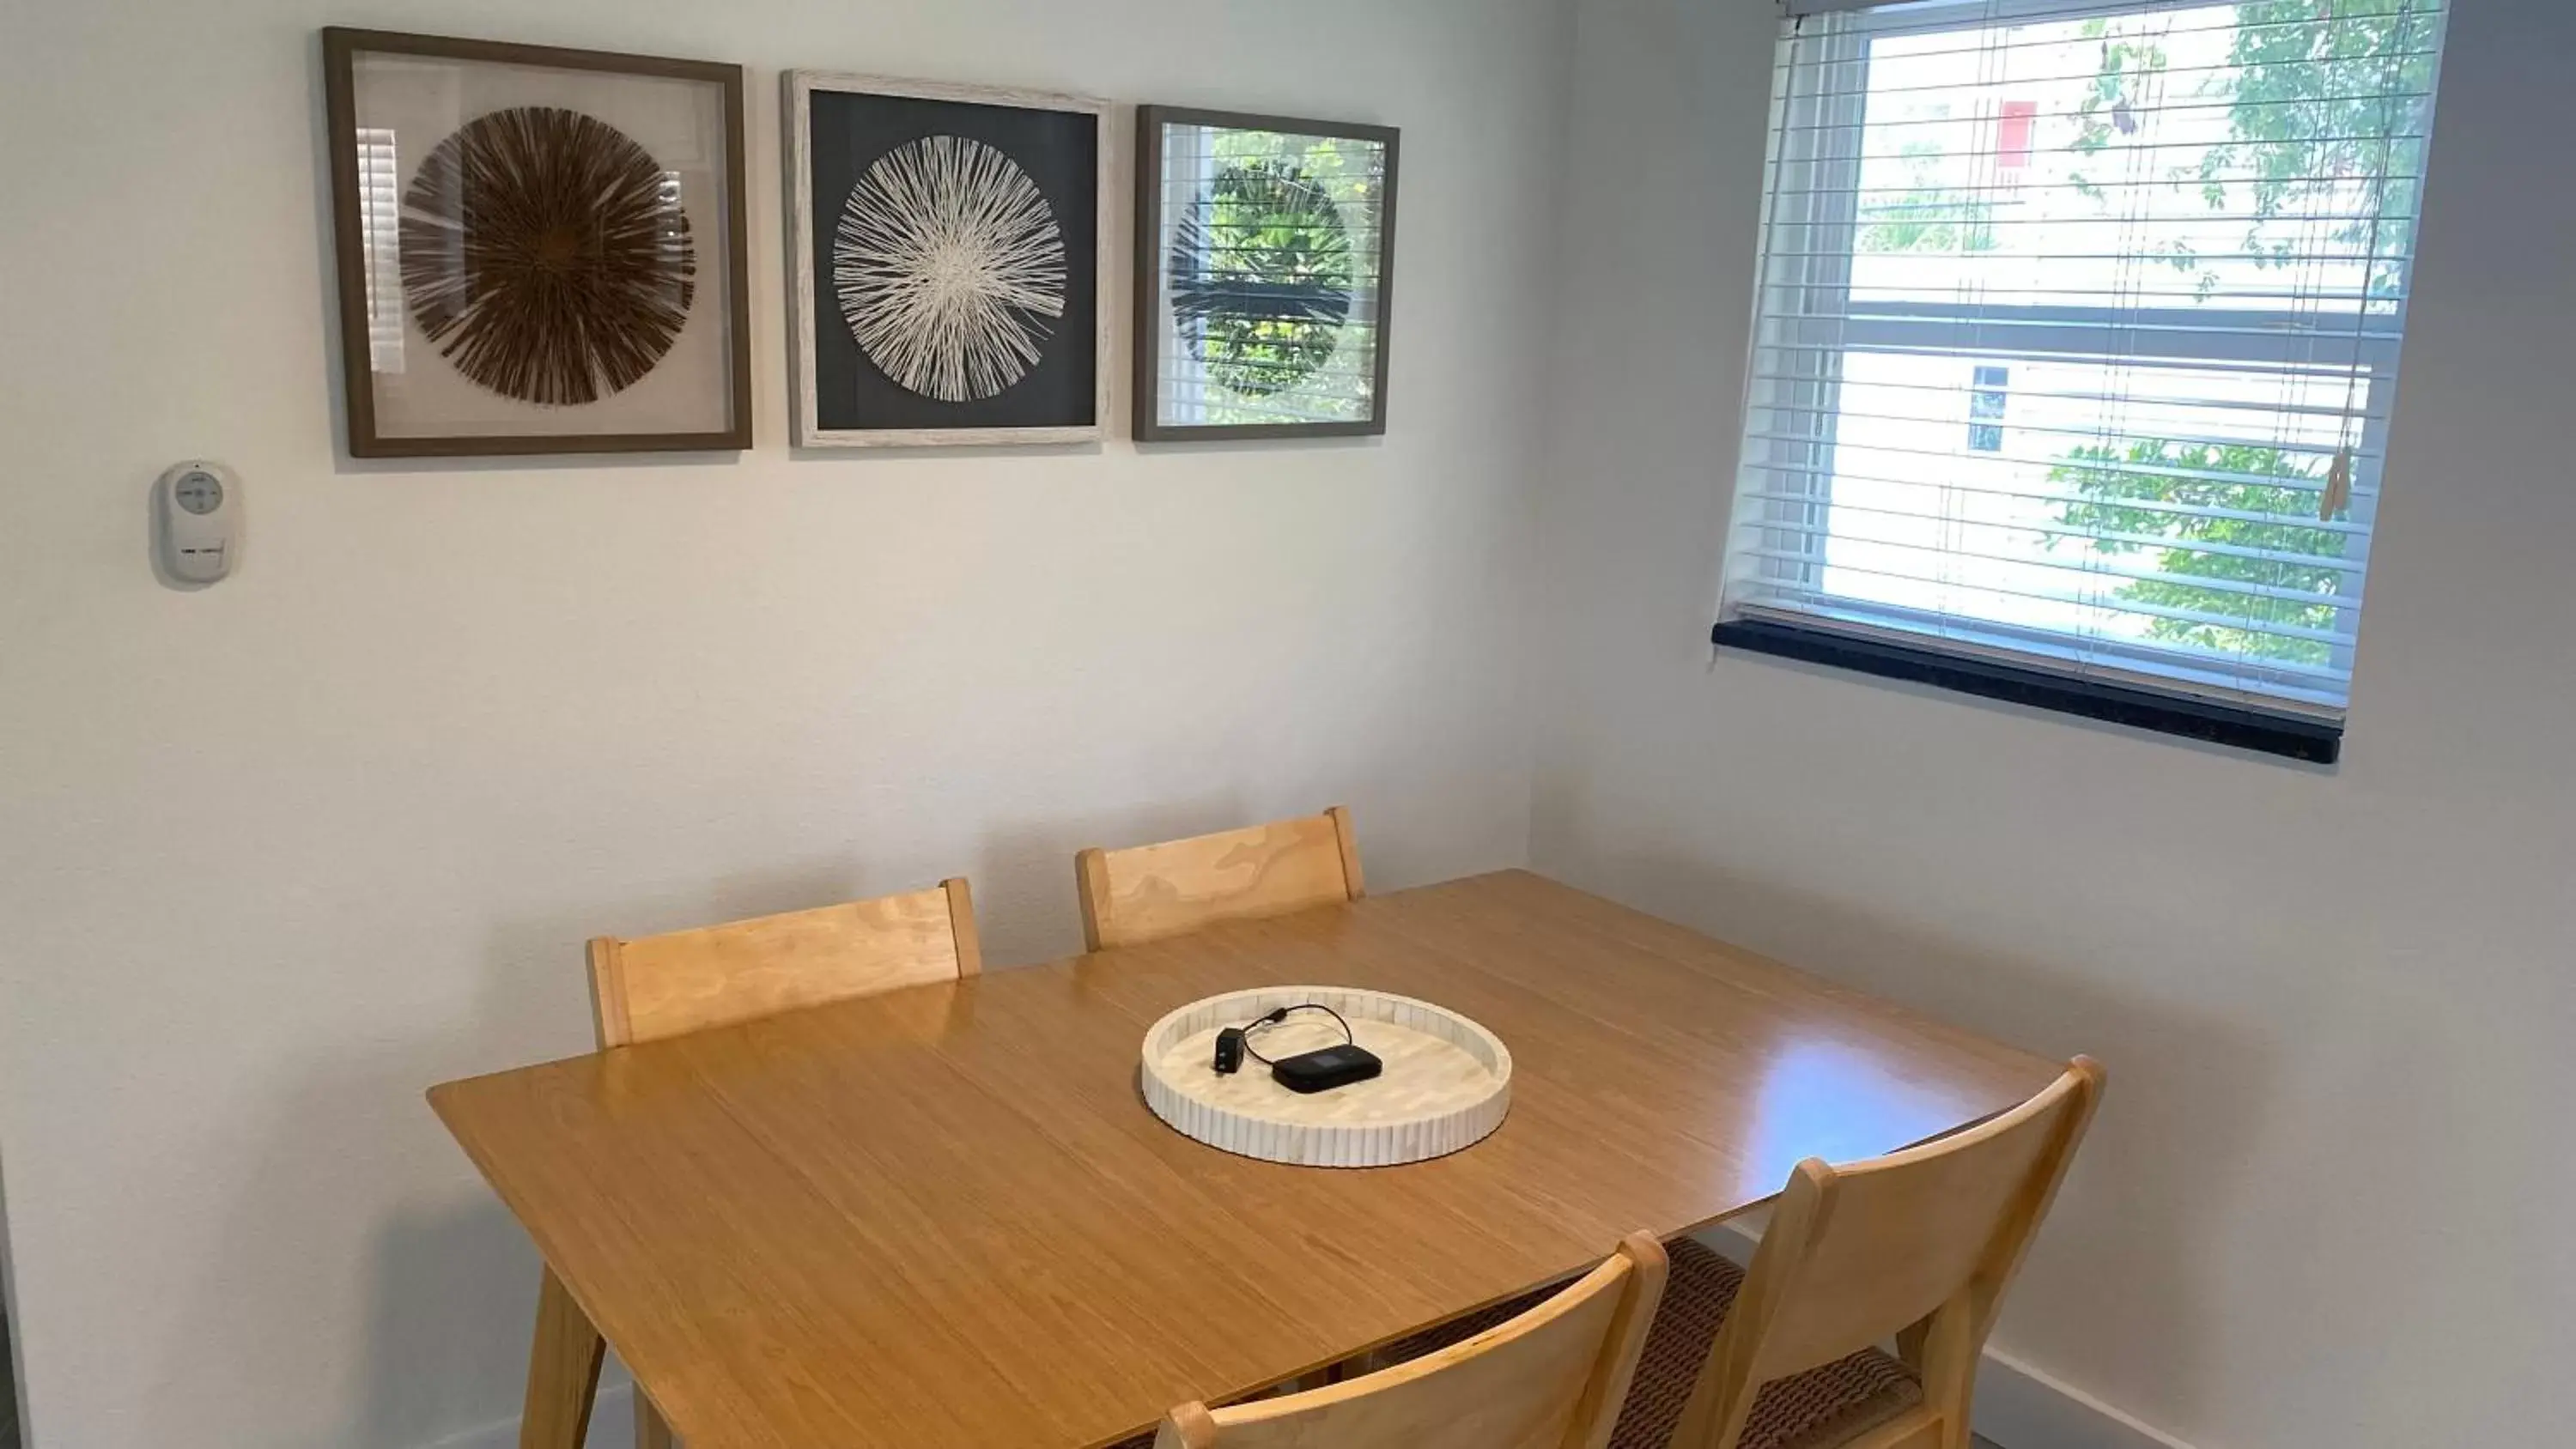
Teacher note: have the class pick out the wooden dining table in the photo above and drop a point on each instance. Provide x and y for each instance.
(944, 1216)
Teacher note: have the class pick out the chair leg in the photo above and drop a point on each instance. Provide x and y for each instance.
(563, 1371)
(652, 1431)
(1949, 1369)
(1707, 1422)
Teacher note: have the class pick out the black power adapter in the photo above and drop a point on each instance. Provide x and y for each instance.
(1229, 1051)
(1321, 1071)
(1306, 1072)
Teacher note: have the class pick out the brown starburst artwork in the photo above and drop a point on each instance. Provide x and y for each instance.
(547, 255)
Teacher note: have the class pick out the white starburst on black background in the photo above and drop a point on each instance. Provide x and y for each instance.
(950, 268)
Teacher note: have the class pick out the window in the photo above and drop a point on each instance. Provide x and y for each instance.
(380, 223)
(1986, 410)
(2077, 338)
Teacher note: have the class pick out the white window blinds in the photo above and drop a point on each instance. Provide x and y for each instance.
(380, 231)
(2077, 334)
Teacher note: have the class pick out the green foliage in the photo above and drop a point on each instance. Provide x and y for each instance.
(2111, 105)
(2326, 118)
(1295, 219)
(2113, 480)
(1276, 245)
(2330, 89)
(1928, 217)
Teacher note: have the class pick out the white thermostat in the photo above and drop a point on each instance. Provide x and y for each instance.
(196, 513)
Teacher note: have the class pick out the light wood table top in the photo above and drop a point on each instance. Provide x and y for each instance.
(944, 1216)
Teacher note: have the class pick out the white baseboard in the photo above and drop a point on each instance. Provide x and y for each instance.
(2018, 1406)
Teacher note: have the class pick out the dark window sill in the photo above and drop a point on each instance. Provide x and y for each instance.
(2316, 741)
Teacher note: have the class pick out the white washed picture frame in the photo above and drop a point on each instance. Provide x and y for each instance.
(808, 312)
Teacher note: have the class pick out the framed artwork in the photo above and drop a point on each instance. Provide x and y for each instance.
(950, 249)
(1265, 256)
(540, 250)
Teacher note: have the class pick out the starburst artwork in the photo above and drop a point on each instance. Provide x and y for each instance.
(947, 278)
(950, 268)
(1262, 275)
(547, 255)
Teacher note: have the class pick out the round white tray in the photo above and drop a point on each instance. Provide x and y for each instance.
(1446, 1086)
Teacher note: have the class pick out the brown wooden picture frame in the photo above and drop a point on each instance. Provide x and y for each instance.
(340, 48)
(1146, 398)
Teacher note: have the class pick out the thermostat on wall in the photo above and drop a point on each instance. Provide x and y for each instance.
(196, 515)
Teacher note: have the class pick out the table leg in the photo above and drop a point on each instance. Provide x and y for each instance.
(651, 1430)
(563, 1371)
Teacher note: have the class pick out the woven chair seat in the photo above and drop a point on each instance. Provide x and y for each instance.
(1814, 1410)
(1818, 1409)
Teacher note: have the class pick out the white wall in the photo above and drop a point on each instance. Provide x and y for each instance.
(2328, 1199)
(277, 856)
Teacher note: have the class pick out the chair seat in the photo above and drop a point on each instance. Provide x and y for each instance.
(1817, 1409)
(1814, 1410)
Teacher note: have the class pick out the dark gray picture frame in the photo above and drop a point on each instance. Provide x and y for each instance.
(1151, 275)
(727, 267)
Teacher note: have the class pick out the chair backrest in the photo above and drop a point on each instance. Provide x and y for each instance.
(1918, 1245)
(1147, 892)
(660, 986)
(1553, 1378)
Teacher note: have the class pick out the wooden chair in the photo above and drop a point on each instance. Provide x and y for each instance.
(1147, 892)
(1918, 1246)
(1552, 1378)
(663, 986)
